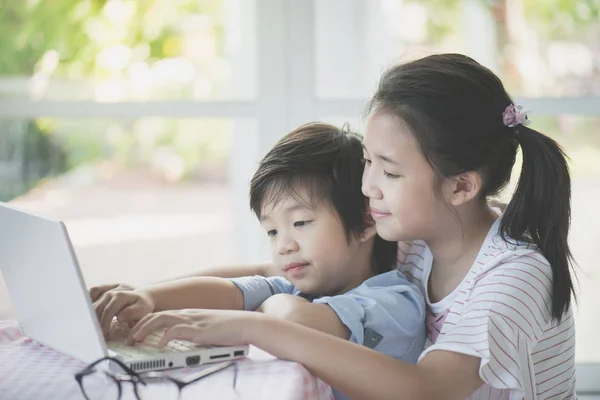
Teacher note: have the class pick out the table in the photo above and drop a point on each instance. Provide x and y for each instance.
(31, 371)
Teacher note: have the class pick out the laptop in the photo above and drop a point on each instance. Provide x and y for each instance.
(53, 307)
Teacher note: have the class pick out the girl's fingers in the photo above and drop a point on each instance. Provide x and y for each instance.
(141, 324)
(151, 323)
(181, 331)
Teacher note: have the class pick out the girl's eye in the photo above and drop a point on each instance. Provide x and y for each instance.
(390, 176)
(299, 224)
(366, 161)
(271, 233)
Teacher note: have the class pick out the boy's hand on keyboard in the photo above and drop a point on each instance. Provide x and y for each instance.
(128, 306)
(204, 327)
(98, 291)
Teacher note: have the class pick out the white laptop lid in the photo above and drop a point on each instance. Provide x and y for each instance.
(45, 285)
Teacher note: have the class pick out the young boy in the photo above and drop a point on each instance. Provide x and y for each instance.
(336, 272)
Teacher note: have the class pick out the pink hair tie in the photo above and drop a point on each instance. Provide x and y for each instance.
(513, 116)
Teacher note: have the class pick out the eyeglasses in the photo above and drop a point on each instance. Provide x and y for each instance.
(99, 380)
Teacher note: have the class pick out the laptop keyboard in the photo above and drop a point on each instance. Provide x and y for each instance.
(119, 332)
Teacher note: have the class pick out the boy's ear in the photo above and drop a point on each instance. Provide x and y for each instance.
(368, 233)
(370, 229)
(462, 188)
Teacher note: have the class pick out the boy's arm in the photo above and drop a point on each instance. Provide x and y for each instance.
(257, 289)
(232, 271)
(229, 271)
(202, 292)
(196, 292)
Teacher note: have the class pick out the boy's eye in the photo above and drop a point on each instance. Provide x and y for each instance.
(299, 224)
(271, 233)
(390, 176)
(366, 161)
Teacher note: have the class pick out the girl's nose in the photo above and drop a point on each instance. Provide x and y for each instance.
(369, 188)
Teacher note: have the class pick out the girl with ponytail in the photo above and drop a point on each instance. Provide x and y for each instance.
(441, 140)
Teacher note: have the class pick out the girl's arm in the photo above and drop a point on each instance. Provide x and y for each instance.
(301, 311)
(355, 370)
(362, 373)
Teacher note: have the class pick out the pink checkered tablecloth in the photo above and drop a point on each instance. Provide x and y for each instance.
(31, 371)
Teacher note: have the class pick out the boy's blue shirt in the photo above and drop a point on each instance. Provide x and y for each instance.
(385, 313)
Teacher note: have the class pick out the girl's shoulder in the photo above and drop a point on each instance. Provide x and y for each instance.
(514, 280)
(502, 253)
(413, 259)
(500, 258)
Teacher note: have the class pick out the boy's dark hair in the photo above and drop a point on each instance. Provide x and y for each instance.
(326, 163)
(454, 106)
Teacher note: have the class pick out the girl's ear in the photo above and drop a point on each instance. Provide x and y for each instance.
(462, 188)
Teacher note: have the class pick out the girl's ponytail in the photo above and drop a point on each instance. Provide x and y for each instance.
(540, 210)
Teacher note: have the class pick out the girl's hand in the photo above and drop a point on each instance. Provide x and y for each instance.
(204, 327)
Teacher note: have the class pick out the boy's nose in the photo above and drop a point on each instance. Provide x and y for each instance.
(286, 245)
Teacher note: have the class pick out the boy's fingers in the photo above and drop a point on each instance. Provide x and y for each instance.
(98, 291)
(132, 314)
(100, 305)
(114, 307)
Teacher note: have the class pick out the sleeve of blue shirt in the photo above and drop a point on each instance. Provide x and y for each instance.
(257, 289)
(385, 313)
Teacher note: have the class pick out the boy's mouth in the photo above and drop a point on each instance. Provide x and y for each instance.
(295, 269)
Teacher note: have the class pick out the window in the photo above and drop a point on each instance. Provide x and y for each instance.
(259, 68)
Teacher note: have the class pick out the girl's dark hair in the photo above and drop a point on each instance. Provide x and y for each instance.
(454, 106)
(326, 162)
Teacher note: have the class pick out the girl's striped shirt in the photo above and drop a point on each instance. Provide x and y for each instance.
(501, 313)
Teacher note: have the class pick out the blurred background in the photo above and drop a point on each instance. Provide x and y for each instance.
(140, 122)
